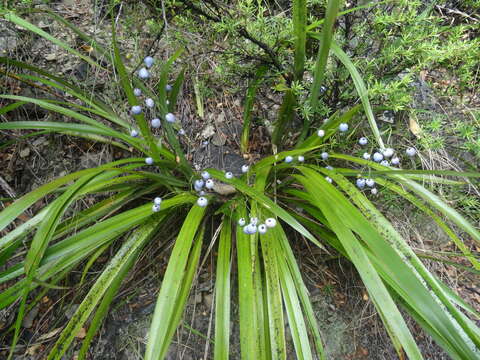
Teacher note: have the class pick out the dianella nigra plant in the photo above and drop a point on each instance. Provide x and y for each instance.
(289, 192)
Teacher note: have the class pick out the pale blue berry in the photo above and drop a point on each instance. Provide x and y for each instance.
(155, 208)
(411, 151)
(168, 88)
(137, 92)
(270, 222)
(363, 141)
(148, 161)
(251, 229)
(170, 118)
(209, 184)
(343, 127)
(205, 175)
(321, 133)
(324, 155)
(202, 193)
(136, 109)
(254, 220)
(148, 61)
(377, 157)
(228, 175)
(202, 201)
(395, 161)
(370, 182)
(157, 200)
(374, 191)
(388, 152)
(384, 163)
(328, 167)
(288, 159)
(149, 103)
(246, 230)
(156, 123)
(181, 132)
(361, 183)
(143, 73)
(366, 156)
(301, 158)
(329, 179)
(245, 168)
(198, 185)
(241, 222)
(134, 133)
(262, 229)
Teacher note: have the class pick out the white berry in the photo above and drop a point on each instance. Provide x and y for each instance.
(181, 132)
(388, 152)
(363, 141)
(366, 156)
(148, 161)
(411, 151)
(228, 175)
(324, 155)
(245, 168)
(202, 201)
(384, 163)
(343, 127)
(170, 117)
(329, 179)
(328, 167)
(155, 208)
(251, 229)
(198, 185)
(321, 133)
(288, 159)
(370, 182)
(168, 88)
(134, 133)
(209, 184)
(374, 191)
(361, 183)
(377, 157)
(241, 222)
(156, 123)
(157, 200)
(262, 229)
(137, 92)
(301, 158)
(270, 222)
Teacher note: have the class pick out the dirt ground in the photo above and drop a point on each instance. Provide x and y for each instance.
(350, 327)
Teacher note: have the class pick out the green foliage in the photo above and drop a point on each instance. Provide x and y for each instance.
(335, 213)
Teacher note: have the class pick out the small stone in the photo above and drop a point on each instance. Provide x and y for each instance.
(25, 152)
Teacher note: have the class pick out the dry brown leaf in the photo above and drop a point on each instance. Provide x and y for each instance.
(81, 333)
(414, 127)
(49, 334)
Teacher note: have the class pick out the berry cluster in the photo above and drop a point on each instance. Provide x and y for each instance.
(252, 227)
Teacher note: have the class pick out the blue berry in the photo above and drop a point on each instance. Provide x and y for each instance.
(343, 127)
(148, 161)
(155, 208)
(134, 133)
(149, 103)
(170, 118)
(156, 123)
(377, 157)
(157, 200)
(205, 175)
(136, 109)
(168, 88)
(384, 163)
(288, 159)
(395, 161)
(148, 61)
(329, 179)
(324, 155)
(143, 73)
(361, 183)
(198, 185)
(181, 132)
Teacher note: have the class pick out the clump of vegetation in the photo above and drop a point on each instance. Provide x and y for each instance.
(292, 189)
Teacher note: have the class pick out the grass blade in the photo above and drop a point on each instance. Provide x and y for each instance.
(285, 116)
(222, 292)
(171, 286)
(300, 34)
